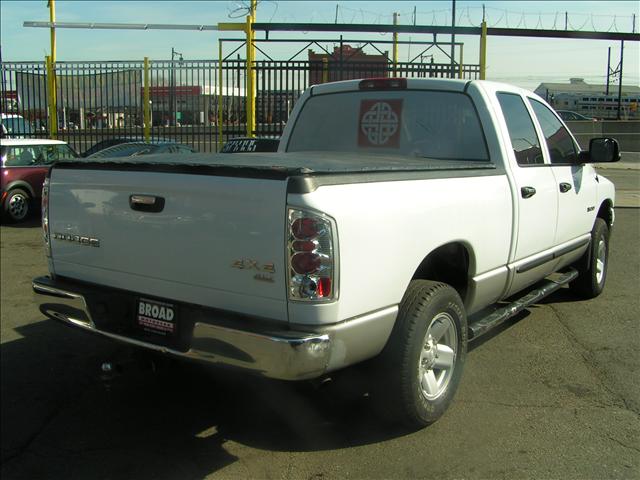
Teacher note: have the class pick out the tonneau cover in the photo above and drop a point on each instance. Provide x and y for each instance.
(278, 165)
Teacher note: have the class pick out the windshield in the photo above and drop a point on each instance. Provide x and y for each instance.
(17, 126)
(416, 124)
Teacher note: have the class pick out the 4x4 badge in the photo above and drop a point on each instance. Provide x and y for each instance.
(249, 264)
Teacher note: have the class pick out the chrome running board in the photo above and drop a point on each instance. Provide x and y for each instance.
(498, 317)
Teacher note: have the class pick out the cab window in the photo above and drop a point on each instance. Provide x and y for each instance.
(559, 141)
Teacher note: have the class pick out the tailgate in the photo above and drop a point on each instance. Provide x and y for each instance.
(218, 241)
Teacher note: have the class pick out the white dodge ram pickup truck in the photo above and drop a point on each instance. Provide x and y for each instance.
(394, 216)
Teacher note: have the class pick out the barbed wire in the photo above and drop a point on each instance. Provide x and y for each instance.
(495, 17)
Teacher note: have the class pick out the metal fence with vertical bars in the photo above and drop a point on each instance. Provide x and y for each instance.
(101, 100)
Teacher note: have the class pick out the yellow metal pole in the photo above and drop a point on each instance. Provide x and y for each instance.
(250, 72)
(146, 108)
(51, 72)
(395, 45)
(325, 70)
(461, 59)
(483, 51)
(249, 105)
(220, 95)
(52, 19)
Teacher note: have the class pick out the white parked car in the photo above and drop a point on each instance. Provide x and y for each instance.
(394, 213)
(13, 125)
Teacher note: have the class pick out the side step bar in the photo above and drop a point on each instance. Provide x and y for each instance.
(498, 317)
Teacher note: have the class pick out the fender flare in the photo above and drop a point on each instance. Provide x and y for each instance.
(22, 185)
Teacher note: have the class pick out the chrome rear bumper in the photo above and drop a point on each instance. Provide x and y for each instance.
(285, 354)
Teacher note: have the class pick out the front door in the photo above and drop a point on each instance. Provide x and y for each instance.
(576, 184)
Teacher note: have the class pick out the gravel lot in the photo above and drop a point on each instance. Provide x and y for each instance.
(553, 394)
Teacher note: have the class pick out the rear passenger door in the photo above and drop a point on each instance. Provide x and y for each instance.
(537, 199)
(576, 184)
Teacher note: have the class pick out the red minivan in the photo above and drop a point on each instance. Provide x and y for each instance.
(25, 162)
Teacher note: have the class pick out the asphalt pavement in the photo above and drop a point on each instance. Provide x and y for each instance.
(554, 393)
(625, 174)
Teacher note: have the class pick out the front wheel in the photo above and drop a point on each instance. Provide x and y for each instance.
(422, 363)
(593, 269)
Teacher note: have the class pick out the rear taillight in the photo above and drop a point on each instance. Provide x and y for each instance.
(45, 217)
(311, 256)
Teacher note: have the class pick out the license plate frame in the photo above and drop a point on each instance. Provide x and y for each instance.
(157, 317)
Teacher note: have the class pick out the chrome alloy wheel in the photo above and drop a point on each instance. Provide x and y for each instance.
(18, 206)
(438, 356)
(601, 259)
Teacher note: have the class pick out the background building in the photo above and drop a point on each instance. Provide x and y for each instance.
(592, 100)
(346, 63)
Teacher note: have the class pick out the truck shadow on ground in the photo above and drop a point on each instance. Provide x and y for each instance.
(177, 420)
(32, 222)
(60, 421)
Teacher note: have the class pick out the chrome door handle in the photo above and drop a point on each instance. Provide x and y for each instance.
(146, 203)
(527, 192)
(565, 187)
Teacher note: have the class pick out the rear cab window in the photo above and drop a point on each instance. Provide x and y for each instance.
(429, 124)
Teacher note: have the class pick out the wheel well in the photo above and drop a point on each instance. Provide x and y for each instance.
(606, 212)
(22, 186)
(449, 264)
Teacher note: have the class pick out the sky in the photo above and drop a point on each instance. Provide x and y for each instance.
(525, 62)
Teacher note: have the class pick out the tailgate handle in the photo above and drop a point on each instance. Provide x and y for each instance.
(146, 203)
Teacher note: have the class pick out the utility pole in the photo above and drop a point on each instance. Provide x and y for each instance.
(620, 78)
(608, 70)
(453, 39)
(613, 73)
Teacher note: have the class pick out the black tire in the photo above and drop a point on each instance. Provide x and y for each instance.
(17, 205)
(593, 266)
(403, 391)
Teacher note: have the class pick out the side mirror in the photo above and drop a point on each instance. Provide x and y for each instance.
(601, 150)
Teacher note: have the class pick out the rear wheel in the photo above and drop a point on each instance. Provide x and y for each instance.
(422, 363)
(16, 205)
(593, 268)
